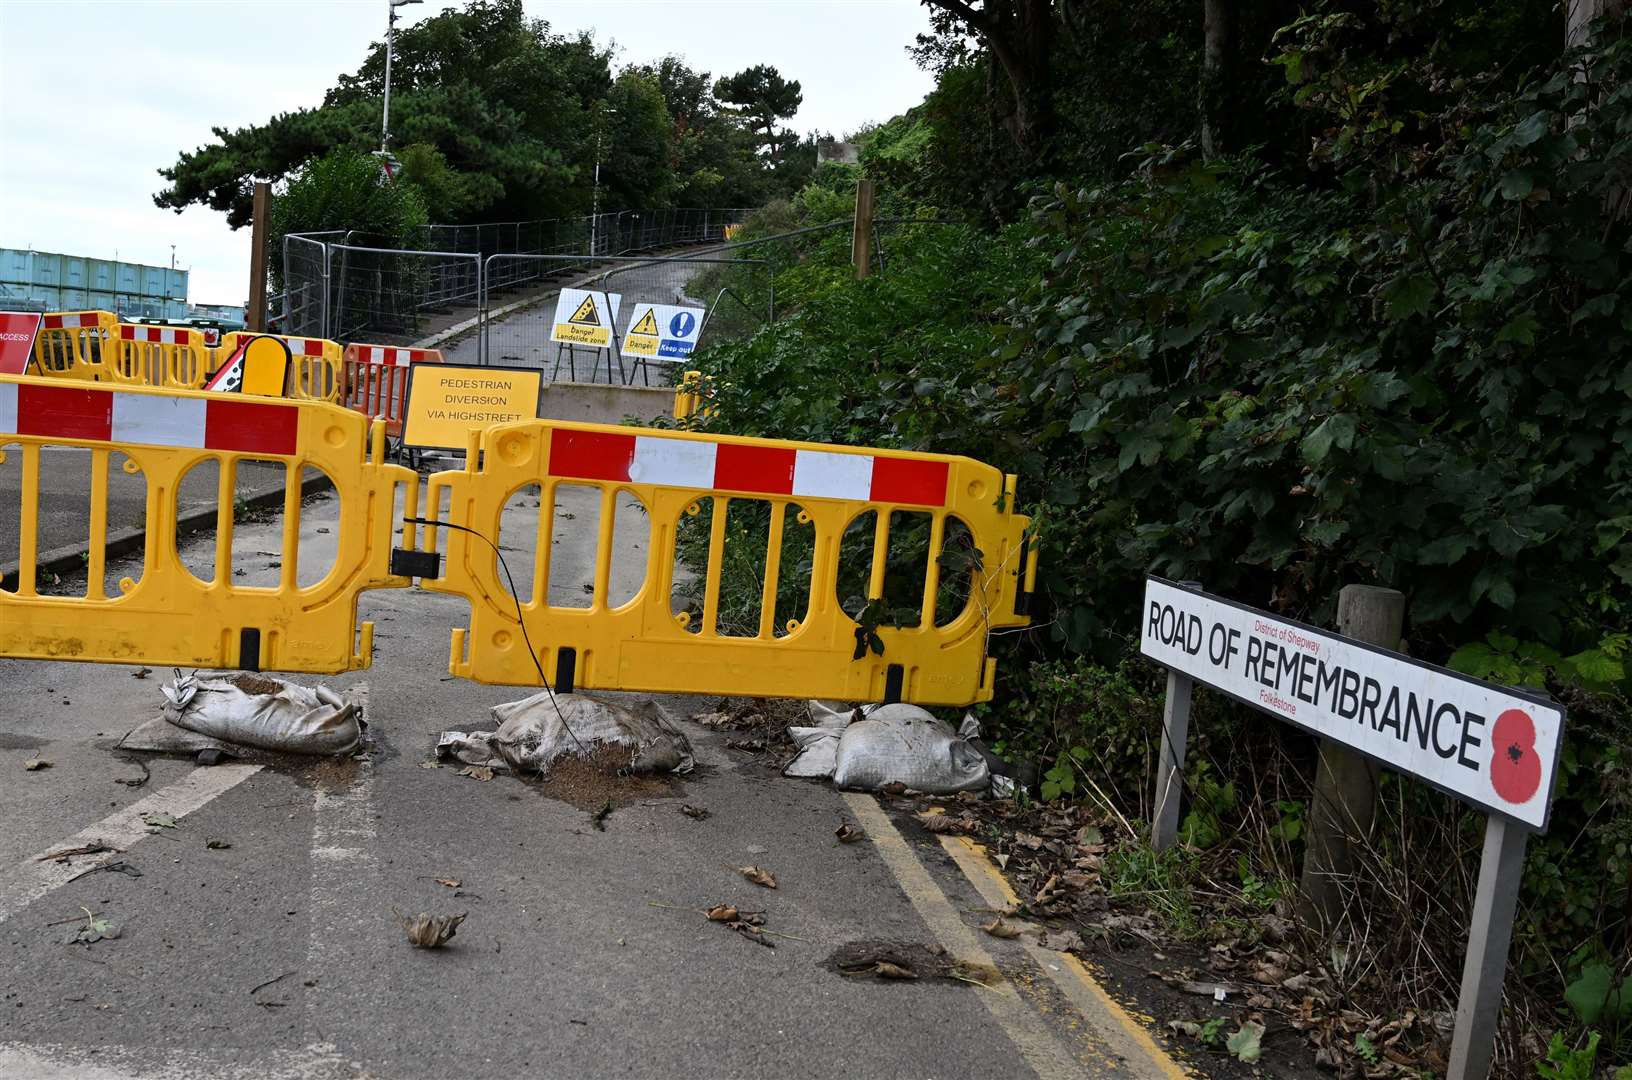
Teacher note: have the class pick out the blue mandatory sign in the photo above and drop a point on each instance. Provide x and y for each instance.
(683, 323)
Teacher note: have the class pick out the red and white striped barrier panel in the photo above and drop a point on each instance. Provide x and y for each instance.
(157, 335)
(91, 414)
(74, 320)
(759, 470)
(376, 381)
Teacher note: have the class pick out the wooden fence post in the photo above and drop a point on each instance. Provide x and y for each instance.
(255, 309)
(1345, 797)
(861, 236)
(1164, 820)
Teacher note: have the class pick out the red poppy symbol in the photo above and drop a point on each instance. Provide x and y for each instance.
(1515, 767)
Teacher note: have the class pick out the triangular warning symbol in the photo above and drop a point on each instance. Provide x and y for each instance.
(586, 315)
(646, 325)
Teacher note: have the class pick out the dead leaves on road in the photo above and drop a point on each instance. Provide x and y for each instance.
(758, 875)
(849, 834)
(427, 931)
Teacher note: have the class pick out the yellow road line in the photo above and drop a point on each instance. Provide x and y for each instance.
(1041, 1050)
(1126, 1036)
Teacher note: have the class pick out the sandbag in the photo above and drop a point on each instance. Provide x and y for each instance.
(251, 709)
(906, 744)
(534, 732)
(819, 744)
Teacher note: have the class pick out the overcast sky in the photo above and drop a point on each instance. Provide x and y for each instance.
(95, 95)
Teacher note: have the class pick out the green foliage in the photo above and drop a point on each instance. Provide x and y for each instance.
(1598, 997)
(345, 189)
(510, 109)
(1566, 1063)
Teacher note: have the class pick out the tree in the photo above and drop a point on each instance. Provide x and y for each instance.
(501, 98)
(345, 189)
(635, 155)
(760, 96)
(1020, 35)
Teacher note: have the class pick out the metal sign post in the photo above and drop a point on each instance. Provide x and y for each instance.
(1492, 747)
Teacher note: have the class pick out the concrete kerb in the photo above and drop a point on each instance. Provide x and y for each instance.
(70, 558)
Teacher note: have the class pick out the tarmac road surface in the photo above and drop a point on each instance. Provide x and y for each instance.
(585, 952)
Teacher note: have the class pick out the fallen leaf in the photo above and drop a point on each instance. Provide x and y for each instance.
(752, 932)
(894, 787)
(430, 764)
(1247, 1044)
(452, 883)
(477, 772)
(1001, 928)
(849, 834)
(1186, 1027)
(36, 764)
(158, 820)
(1030, 840)
(1002, 860)
(430, 931)
(142, 674)
(945, 823)
(96, 928)
(696, 813)
(723, 913)
(1061, 940)
(758, 875)
(218, 845)
(886, 970)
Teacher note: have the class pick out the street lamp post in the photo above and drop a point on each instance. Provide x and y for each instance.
(390, 47)
(595, 204)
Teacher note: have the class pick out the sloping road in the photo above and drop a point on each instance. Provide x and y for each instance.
(585, 953)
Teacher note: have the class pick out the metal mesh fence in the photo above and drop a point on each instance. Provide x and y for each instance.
(352, 285)
(517, 333)
(390, 296)
(300, 309)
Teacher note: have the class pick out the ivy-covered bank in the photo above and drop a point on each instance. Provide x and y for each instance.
(1406, 361)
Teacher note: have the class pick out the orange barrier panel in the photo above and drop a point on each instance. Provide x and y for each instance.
(376, 380)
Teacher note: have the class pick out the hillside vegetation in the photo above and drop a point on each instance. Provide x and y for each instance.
(1322, 297)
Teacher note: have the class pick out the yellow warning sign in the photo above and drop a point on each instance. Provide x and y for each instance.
(586, 314)
(445, 405)
(646, 325)
(584, 317)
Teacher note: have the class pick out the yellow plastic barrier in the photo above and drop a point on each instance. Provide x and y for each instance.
(820, 492)
(160, 356)
(688, 395)
(72, 344)
(317, 368)
(172, 616)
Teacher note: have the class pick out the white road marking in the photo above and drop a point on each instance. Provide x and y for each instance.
(31, 879)
(344, 865)
(58, 1061)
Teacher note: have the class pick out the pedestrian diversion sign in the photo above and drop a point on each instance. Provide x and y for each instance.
(585, 317)
(662, 330)
(446, 402)
(1487, 745)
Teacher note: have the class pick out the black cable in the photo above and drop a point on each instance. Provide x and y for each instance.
(532, 653)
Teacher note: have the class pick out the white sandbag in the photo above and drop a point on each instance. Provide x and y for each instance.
(906, 744)
(818, 752)
(533, 733)
(251, 709)
(470, 747)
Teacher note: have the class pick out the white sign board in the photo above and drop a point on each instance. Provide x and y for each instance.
(1487, 745)
(662, 330)
(585, 317)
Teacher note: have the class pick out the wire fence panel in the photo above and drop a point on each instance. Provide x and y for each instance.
(517, 333)
(356, 285)
(390, 296)
(300, 311)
